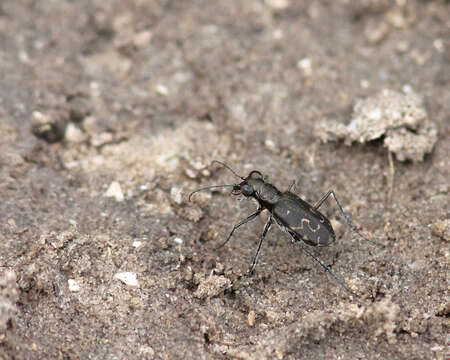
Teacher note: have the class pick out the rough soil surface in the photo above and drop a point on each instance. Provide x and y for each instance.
(110, 115)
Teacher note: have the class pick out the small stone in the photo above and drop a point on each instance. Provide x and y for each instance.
(278, 34)
(74, 134)
(162, 90)
(74, 286)
(147, 351)
(365, 83)
(176, 195)
(49, 126)
(375, 32)
(278, 4)
(128, 278)
(402, 46)
(439, 45)
(190, 173)
(437, 348)
(142, 39)
(269, 144)
(441, 228)
(115, 191)
(178, 240)
(251, 318)
(305, 65)
(137, 244)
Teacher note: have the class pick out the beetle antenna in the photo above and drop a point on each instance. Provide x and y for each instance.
(208, 187)
(226, 166)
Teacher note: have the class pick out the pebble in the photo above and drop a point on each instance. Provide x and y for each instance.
(128, 278)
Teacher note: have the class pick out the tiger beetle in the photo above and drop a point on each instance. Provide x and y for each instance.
(304, 223)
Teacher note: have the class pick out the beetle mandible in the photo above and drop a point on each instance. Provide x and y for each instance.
(304, 223)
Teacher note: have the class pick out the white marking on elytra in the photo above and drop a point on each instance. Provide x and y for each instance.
(285, 229)
(309, 225)
(313, 230)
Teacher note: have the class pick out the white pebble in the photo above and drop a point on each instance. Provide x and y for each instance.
(115, 191)
(305, 65)
(176, 195)
(269, 144)
(407, 89)
(178, 240)
(74, 134)
(73, 285)
(128, 278)
(278, 34)
(278, 4)
(365, 83)
(162, 90)
(439, 45)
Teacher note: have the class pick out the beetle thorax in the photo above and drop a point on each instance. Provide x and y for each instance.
(268, 194)
(255, 186)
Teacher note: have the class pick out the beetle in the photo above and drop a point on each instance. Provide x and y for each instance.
(303, 222)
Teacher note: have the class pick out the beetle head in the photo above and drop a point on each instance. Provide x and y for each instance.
(251, 184)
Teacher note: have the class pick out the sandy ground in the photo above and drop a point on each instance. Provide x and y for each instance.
(110, 114)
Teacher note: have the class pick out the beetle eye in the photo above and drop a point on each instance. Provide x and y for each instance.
(236, 190)
(247, 190)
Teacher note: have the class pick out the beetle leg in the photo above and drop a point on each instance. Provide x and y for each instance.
(291, 186)
(245, 221)
(347, 219)
(320, 202)
(263, 235)
(324, 266)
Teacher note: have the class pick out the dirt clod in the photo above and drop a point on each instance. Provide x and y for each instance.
(50, 125)
(441, 228)
(399, 118)
(9, 295)
(213, 285)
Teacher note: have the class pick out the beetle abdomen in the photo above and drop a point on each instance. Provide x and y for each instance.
(303, 221)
